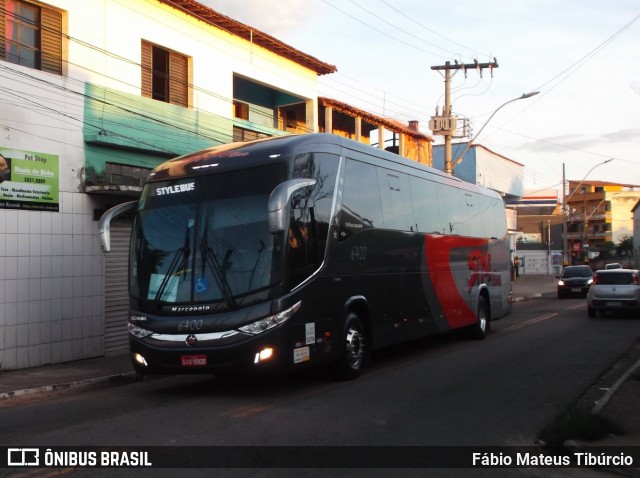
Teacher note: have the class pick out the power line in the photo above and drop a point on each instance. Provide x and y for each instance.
(398, 28)
(588, 56)
(411, 45)
(413, 20)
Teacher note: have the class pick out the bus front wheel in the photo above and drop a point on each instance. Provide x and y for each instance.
(352, 349)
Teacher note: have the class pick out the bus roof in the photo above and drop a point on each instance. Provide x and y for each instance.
(253, 153)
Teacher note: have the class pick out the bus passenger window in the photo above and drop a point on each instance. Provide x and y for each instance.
(396, 201)
(361, 208)
(425, 206)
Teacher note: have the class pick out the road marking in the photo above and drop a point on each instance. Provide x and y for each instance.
(527, 323)
(242, 412)
(578, 306)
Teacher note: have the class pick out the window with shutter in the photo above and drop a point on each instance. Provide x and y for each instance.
(31, 35)
(147, 77)
(240, 110)
(51, 41)
(164, 75)
(241, 134)
(3, 19)
(178, 79)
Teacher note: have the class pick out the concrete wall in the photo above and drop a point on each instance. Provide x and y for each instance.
(498, 173)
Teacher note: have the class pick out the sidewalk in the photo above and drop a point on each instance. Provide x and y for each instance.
(86, 373)
(622, 382)
(528, 287)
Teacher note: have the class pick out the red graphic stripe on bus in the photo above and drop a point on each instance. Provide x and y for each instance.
(470, 259)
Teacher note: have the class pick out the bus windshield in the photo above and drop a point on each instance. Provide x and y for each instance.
(206, 238)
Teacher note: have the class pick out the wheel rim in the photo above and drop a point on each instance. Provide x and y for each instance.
(482, 319)
(354, 348)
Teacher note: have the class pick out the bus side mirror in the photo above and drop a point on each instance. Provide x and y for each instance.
(104, 226)
(279, 202)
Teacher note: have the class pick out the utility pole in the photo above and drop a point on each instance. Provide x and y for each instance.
(446, 123)
(565, 225)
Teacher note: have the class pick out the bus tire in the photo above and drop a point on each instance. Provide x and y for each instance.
(352, 348)
(480, 329)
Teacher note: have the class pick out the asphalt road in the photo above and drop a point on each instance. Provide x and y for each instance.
(439, 391)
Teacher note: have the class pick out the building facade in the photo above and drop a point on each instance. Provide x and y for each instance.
(599, 216)
(345, 120)
(479, 165)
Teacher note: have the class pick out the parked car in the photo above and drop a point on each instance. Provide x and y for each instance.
(614, 289)
(613, 265)
(574, 280)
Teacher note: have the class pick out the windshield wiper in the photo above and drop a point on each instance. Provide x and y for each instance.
(255, 265)
(178, 263)
(219, 272)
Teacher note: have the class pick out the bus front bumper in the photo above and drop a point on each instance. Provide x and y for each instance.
(200, 353)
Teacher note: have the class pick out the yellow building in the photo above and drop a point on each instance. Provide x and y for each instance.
(598, 212)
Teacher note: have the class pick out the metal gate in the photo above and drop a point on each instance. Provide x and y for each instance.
(116, 339)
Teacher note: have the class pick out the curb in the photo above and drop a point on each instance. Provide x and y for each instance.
(600, 404)
(62, 387)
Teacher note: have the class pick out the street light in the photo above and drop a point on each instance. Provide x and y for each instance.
(566, 212)
(449, 168)
(585, 177)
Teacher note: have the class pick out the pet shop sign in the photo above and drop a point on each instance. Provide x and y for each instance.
(28, 180)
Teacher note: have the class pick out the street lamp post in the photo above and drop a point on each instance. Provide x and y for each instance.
(448, 168)
(565, 211)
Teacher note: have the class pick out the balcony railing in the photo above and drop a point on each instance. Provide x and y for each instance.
(600, 235)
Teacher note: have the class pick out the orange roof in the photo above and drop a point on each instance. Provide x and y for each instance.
(213, 18)
(391, 124)
(603, 183)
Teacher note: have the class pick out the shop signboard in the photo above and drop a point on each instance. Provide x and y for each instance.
(28, 180)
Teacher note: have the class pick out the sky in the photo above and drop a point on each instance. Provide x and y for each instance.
(583, 56)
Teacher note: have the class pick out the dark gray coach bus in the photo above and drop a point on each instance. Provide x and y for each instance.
(303, 250)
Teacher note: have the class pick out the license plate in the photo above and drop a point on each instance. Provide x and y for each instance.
(576, 289)
(193, 360)
(614, 304)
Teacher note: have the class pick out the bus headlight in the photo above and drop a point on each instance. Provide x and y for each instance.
(270, 322)
(138, 332)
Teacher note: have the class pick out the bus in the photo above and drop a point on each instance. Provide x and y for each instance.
(302, 250)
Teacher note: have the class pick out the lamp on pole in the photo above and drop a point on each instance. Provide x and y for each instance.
(565, 211)
(449, 169)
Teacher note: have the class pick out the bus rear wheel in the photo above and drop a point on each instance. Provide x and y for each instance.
(481, 328)
(352, 349)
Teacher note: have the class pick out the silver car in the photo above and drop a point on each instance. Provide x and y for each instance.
(614, 289)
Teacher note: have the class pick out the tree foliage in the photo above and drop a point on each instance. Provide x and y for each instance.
(625, 247)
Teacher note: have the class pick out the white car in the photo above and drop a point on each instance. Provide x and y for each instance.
(614, 290)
